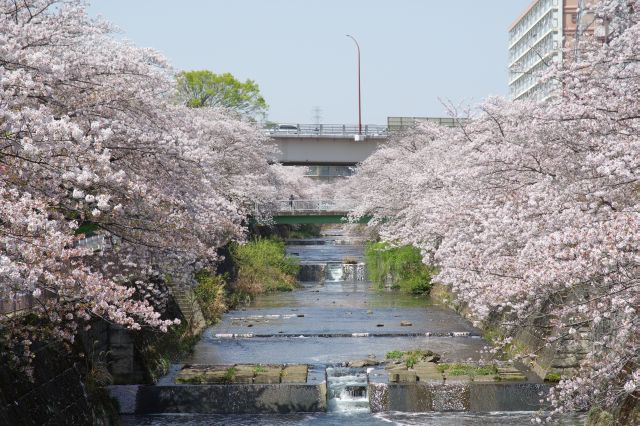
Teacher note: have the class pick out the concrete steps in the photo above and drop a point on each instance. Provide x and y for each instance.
(191, 312)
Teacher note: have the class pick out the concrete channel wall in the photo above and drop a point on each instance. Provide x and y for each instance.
(476, 397)
(297, 398)
(221, 399)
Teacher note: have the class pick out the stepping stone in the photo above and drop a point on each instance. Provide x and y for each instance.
(296, 373)
(244, 373)
(510, 373)
(457, 379)
(485, 379)
(427, 372)
(215, 376)
(402, 376)
(362, 363)
(270, 376)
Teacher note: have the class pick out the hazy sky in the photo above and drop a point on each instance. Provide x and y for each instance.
(414, 52)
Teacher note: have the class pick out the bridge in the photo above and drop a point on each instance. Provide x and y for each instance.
(326, 144)
(340, 144)
(292, 212)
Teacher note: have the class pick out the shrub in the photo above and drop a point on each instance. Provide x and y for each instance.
(229, 374)
(552, 377)
(394, 354)
(211, 295)
(401, 266)
(263, 266)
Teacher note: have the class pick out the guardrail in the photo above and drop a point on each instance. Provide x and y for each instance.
(328, 130)
(304, 206)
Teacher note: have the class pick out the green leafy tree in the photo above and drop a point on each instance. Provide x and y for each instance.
(205, 88)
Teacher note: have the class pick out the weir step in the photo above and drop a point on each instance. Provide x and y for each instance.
(331, 335)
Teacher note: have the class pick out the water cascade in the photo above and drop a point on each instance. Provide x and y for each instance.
(332, 272)
(347, 389)
(354, 272)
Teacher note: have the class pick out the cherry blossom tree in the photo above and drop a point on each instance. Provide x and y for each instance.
(90, 134)
(531, 209)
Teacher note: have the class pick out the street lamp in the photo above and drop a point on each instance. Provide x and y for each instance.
(359, 96)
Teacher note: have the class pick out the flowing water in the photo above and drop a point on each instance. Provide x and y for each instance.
(341, 418)
(334, 317)
(347, 390)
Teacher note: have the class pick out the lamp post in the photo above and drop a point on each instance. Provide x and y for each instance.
(359, 92)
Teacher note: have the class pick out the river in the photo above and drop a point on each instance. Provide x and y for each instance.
(335, 317)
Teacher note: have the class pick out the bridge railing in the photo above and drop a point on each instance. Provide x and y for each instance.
(304, 206)
(328, 130)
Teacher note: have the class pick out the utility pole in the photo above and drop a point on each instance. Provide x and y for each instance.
(317, 115)
(359, 91)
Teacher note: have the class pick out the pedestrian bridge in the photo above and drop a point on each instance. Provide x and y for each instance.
(291, 212)
(326, 144)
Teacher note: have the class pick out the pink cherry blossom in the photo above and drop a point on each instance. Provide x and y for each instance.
(90, 132)
(531, 209)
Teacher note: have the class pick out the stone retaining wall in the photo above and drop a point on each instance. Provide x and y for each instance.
(56, 396)
(562, 358)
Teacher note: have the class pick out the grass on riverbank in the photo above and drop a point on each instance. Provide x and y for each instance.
(263, 266)
(400, 267)
(211, 295)
(260, 265)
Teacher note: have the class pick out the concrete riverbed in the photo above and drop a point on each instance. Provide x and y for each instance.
(326, 323)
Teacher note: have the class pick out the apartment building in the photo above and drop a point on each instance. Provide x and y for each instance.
(537, 39)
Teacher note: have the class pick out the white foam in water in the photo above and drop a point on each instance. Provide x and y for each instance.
(334, 272)
(257, 317)
(354, 272)
(347, 390)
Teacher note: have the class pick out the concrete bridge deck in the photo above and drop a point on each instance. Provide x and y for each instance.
(322, 144)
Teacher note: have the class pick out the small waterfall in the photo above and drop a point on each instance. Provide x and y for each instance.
(354, 271)
(346, 272)
(347, 389)
(334, 272)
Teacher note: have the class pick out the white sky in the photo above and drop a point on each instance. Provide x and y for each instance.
(414, 52)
